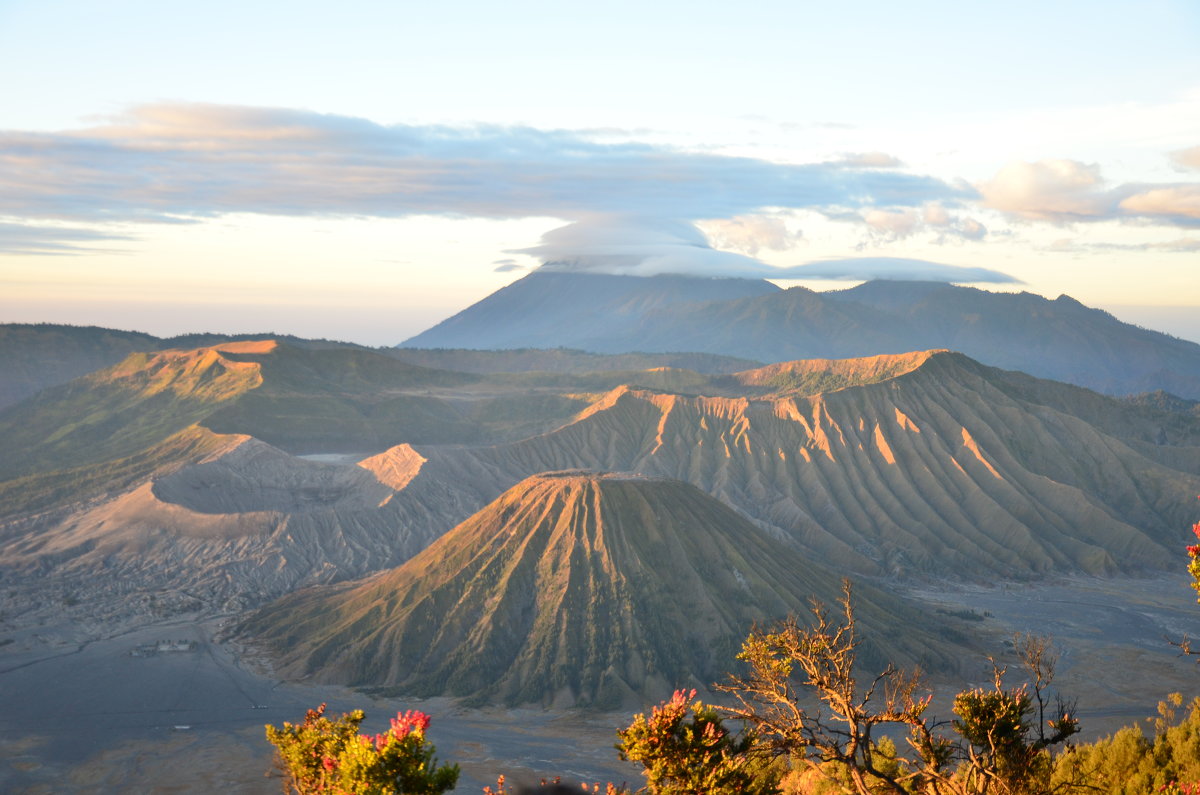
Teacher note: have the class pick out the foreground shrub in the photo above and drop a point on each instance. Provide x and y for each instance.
(330, 756)
(555, 786)
(1128, 762)
(691, 754)
(1194, 560)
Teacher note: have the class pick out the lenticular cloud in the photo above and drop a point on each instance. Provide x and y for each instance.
(642, 246)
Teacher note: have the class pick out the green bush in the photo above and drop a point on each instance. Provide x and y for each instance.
(330, 756)
(692, 755)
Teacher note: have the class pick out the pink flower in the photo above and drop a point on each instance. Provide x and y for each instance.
(329, 763)
(406, 722)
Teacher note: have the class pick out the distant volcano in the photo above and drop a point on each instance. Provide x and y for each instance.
(753, 319)
(561, 309)
(572, 588)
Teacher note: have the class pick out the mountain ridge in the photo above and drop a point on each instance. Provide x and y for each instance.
(886, 467)
(1059, 339)
(920, 467)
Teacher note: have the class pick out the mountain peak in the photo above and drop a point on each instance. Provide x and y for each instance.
(1060, 339)
(575, 310)
(573, 587)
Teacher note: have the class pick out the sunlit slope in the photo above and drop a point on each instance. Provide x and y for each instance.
(178, 469)
(303, 400)
(124, 409)
(814, 376)
(34, 356)
(571, 588)
(103, 431)
(946, 467)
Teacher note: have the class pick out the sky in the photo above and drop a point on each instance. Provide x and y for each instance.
(362, 170)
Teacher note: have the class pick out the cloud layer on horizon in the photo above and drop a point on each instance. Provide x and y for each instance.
(45, 240)
(166, 160)
(182, 162)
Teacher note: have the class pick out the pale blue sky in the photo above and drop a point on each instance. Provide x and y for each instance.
(361, 170)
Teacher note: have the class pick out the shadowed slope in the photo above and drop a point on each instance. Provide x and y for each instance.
(1060, 339)
(571, 588)
(35, 356)
(549, 309)
(562, 360)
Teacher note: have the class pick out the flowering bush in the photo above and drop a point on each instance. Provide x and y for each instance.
(690, 756)
(330, 756)
(1194, 559)
(555, 784)
(1180, 788)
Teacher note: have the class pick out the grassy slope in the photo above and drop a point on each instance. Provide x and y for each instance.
(120, 411)
(154, 410)
(36, 356)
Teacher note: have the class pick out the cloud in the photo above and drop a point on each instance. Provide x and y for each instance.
(1187, 158)
(896, 269)
(623, 245)
(949, 226)
(936, 215)
(45, 240)
(195, 160)
(1066, 191)
(749, 234)
(649, 246)
(508, 265)
(1049, 190)
(1177, 204)
(868, 160)
(892, 225)
(1183, 245)
(970, 229)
